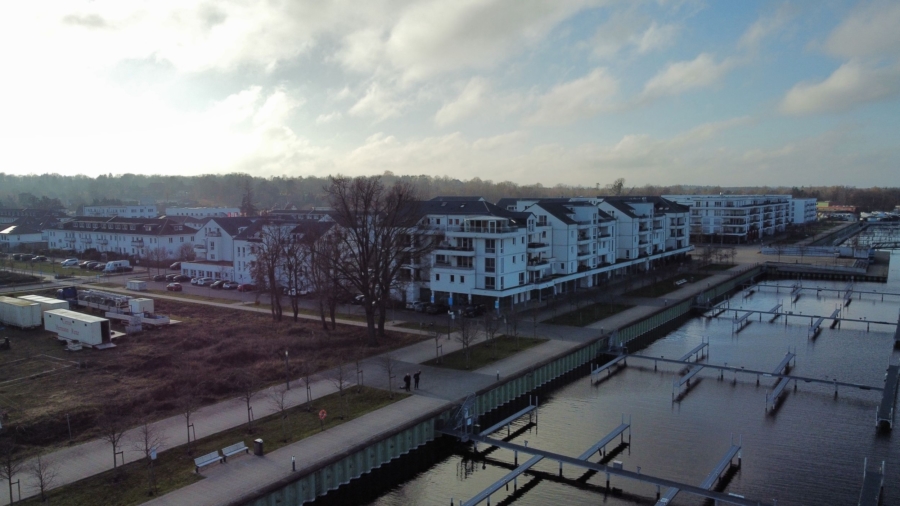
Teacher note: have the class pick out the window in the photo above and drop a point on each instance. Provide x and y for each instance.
(452, 278)
(490, 264)
(462, 279)
(489, 283)
(437, 277)
(171, 240)
(490, 245)
(521, 278)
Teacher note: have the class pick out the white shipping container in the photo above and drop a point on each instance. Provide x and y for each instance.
(20, 313)
(47, 304)
(72, 325)
(141, 305)
(136, 284)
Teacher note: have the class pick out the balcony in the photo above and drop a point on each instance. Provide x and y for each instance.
(584, 254)
(447, 249)
(537, 245)
(213, 233)
(69, 239)
(583, 238)
(472, 229)
(137, 242)
(102, 241)
(448, 266)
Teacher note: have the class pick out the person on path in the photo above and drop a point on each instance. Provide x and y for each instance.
(416, 377)
(406, 382)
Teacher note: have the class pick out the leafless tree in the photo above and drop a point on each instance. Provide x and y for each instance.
(113, 423)
(306, 368)
(380, 225)
(278, 398)
(389, 364)
(466, 334)
(779, 249)
(268, 245)
(324, 251)
(248, 384)
(535, 314)
(186, 252)
(147, 440)
(189, 403)
(491, 326)
(512, 324)
(10, 463)
(340, 381)
(158, 255)
(44, 472)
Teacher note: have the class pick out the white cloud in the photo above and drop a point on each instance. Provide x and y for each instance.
(683, 76)
(478, 99)
(852, 84)
(765, 27)
(656, 37)
(575, 100)
(625, 29)
(870, 31)
(328, 118)
(378, 102)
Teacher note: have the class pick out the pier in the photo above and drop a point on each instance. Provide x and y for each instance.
(848, 294)
(873, 485)
(796, 289)
(838, 291)
(775, 312)
(811, 318)
(532, 406)
(897, 334)
(485, 495)
(711, 478)
(814, 328)
(739, 322)
(615, 470)
(884, 417)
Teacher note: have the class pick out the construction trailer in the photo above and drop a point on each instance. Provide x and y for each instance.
(47, 304)
(73, 326)
(136, 285)
(106, 301)
(20, 313)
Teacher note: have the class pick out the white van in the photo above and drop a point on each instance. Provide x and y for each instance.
(118, 266)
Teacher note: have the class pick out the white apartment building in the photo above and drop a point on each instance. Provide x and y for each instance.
(125, 236)
(131, 211)
(214, 249)
(802, 211)
(204, 212)
(22, 233)
(735, 218)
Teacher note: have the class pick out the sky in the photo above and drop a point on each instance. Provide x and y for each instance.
(575, 92)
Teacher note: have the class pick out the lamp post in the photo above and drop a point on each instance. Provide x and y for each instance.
(287, 371)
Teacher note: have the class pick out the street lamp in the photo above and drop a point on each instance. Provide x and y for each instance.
(287, 372)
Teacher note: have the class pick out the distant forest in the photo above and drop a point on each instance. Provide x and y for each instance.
(72, 192)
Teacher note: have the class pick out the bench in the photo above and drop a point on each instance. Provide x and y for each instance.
(206, 460)
(235, 448)
(680, 282)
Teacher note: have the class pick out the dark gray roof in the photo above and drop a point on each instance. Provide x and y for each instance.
(452, 198)
(467, 207)
(159, 226)
(660, 205)
(558, 211)
(232, 225)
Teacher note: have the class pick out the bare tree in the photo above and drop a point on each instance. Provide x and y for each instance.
(158, 255)
(189, 403)
(380, 225)
(306, 368)
(268, 246)
(340, 381)
(534, 313)
(44, 472)
(389, 365)
(466, 334)
(147, 441)
(248, 384)
(113, 423)
(324, 251)
(491, 326)
(278, 398)
(10, 463)
(185, 252)
(512, 325)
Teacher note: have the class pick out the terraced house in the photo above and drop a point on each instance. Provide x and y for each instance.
(136, 237)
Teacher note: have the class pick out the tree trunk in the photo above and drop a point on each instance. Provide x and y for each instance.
(322, 314)
(370, 324)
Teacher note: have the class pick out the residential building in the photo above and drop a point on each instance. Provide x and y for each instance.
(124, 211)
(802, 211)
(214, 248)
(203, 212)
(24, 233)
(11, 214)
(136, 237)
(735, 218)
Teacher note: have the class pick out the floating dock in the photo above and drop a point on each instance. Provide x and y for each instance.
(884, 417)
(711, 478)
(873, 486)
(740, 322)
(508, 420)
(607, 367)
(897, 334)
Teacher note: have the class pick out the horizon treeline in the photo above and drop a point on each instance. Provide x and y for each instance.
(279, 192)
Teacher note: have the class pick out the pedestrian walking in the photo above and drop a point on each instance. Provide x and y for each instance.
(416, 377)
(406, 382)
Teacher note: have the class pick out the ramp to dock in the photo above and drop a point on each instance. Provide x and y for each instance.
(606, 367)
(885, 414)
(873, 485)
(506, 421)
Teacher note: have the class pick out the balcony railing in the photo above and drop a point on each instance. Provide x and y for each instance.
(537, 245)
(482, 230)
(445, 265)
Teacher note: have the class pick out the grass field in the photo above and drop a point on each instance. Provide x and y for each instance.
(588, 314)
(173, 469)
(485, 353)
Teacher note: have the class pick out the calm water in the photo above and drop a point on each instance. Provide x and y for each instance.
(809, 452)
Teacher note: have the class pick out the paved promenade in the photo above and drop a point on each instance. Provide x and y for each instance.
(439, 388)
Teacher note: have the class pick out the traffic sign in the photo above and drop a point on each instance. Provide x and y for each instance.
(322, 414)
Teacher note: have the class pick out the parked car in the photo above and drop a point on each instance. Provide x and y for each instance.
(417, 306)
(246, 287)
(230, 285)
(176, 266)
(473, 310)
(84, 264)
(205, 281)
(174, 287)
(171, 278)
(98, 266)
(436, 308)
(69, 262)
(217, 285)
(181, 277)
(17, 256)
(160, 277)
(195, 280)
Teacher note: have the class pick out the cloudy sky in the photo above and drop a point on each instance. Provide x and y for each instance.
(550, 91)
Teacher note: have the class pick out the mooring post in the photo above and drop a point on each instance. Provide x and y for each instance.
(516, 457)
(835, 388)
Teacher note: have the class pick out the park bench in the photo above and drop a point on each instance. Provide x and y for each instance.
(205, 460)
(680, 282)
(235, 448)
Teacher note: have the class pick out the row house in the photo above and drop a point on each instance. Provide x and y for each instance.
(204, 212)
(134, 237)
(735, 218)
(11, 214)
(215, 249)
(24, 233)
(648, 227)
(123, 211)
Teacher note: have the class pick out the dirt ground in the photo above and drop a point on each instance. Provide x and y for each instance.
(146, 373)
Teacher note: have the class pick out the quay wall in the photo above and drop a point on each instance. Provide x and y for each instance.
(490, 403)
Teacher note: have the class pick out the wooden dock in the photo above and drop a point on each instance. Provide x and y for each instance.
(711, 478)
(873, 486)
(884, 417)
